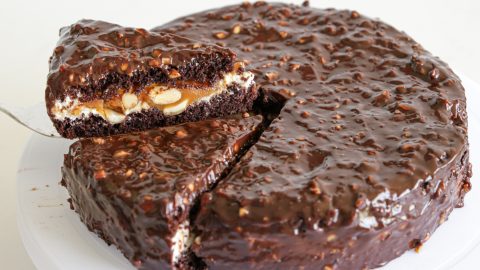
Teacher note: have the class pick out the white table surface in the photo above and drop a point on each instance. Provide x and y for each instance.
(29, 29)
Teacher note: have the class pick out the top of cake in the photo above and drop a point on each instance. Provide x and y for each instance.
(91, 56)
(371, 120)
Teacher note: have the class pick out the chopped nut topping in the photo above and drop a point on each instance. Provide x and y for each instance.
(418, 248)
(331, 237)
(405, 107)
(236, 148)
(220, 35)
(236, 29)
(305, 114)
(174, 74)
(154, 63)
(294, 67)
(360, 203)
(156, 53)
(181, 134)
(314, 188)
(129, 173)
(121, 154)
(214, 124)
(99, 140)
(271, 76)
(101, 174)
(125, 193)
(238, 65)
(242, 212)
(198, 240)
(124, 67)
(283, 34)
(166, 61)
(354, 14)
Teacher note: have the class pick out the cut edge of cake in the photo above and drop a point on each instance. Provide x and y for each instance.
(109, 75)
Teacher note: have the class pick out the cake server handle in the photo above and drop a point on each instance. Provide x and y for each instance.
(34, 118)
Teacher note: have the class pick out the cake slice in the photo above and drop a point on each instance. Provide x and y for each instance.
(137, 191)
(106, 79)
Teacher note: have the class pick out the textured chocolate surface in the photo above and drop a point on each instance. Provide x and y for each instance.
(373, 135)
(368, 156)
(134, 190)
(94, 58)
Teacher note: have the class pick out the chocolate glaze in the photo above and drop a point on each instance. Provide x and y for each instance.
(373, 138)
(134, 190)
(95, 58)
(367, 157)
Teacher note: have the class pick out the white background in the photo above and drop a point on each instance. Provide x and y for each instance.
(449, 29)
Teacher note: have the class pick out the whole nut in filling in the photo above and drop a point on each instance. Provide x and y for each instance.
(113, 116)
(129, 100)
(176, 109)
(164, 97)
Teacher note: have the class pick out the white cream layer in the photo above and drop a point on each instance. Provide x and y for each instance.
(181, 241)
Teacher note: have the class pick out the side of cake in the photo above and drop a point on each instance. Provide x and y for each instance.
(106, 79)
(136, 191)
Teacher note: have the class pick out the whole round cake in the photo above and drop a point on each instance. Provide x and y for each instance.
(361, 155)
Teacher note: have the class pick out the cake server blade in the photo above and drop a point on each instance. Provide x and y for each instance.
(34, 118)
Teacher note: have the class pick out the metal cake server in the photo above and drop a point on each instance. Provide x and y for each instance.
(34, 118)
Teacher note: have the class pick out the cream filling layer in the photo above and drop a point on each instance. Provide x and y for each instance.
(171, 101)
(181, 241)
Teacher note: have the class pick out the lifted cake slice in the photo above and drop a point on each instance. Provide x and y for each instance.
(137, 191)
(106, 79)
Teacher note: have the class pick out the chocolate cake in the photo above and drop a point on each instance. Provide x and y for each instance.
(366, 158)
(106, 79)
(136, 191)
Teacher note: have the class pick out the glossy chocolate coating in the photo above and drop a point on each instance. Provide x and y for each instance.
(373, 135)
(93, 59)
(134, 190)
(99, 61)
